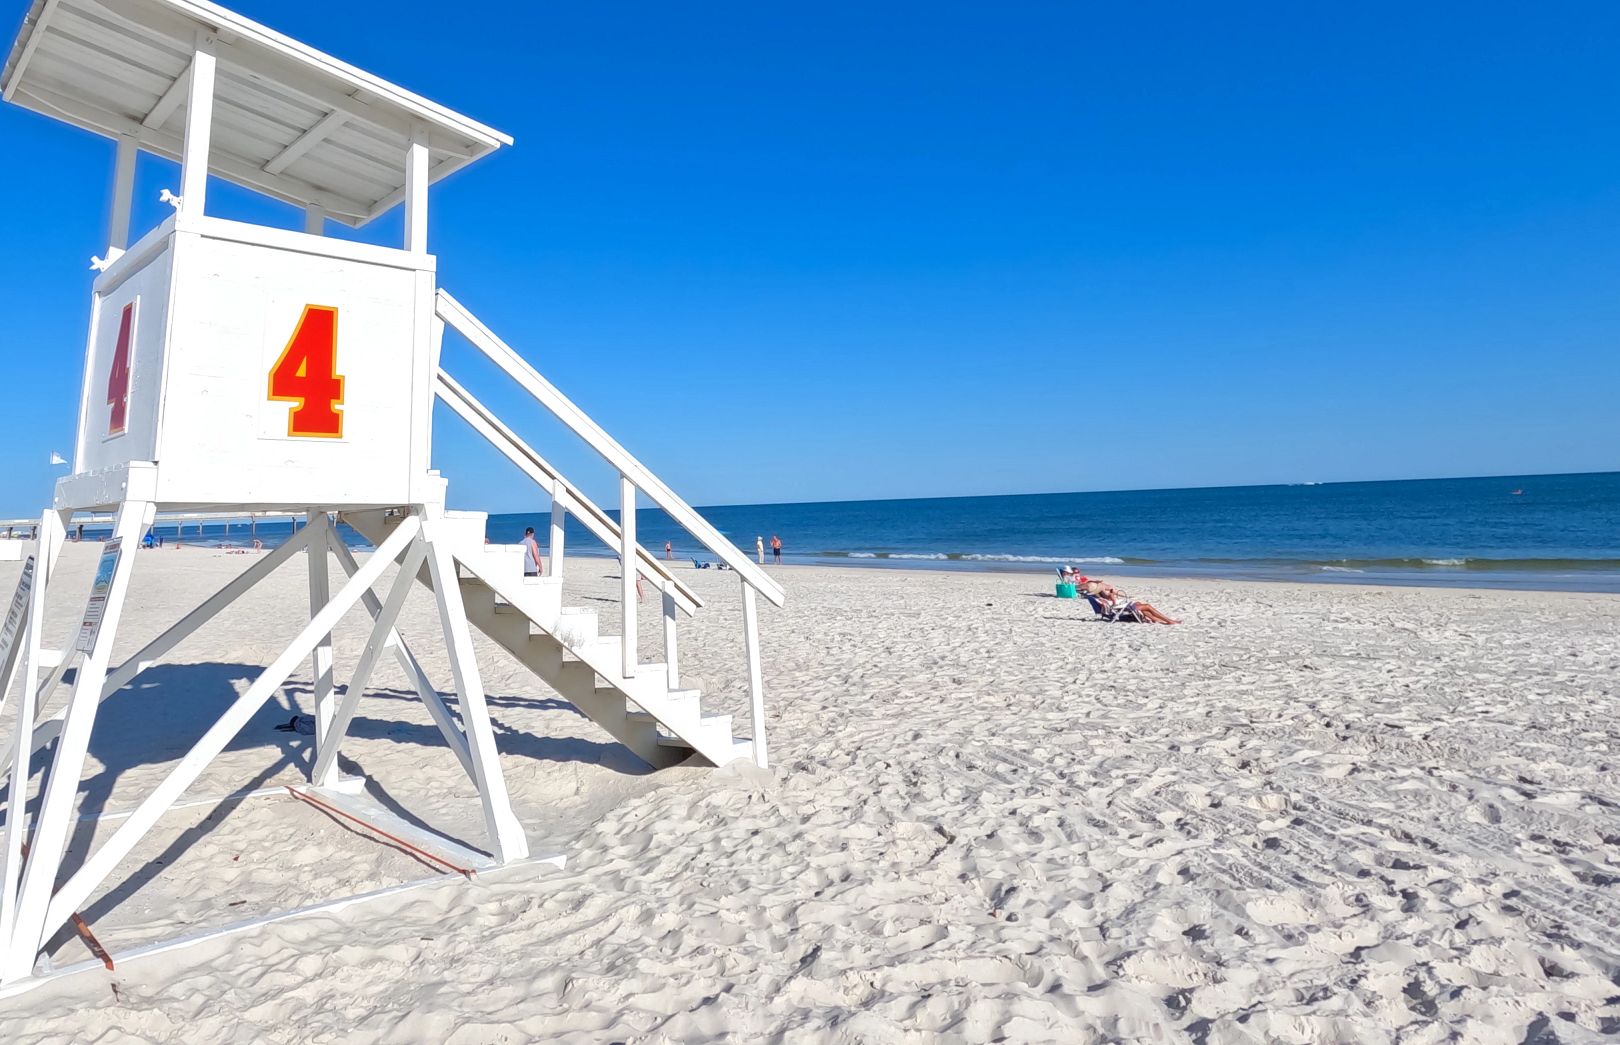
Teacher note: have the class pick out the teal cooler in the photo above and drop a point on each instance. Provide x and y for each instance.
(1065, 590)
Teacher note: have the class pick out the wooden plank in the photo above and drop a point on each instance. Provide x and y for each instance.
(506, 835)
(756, 680)
(318, 528)
(199, 129)
(330, 735)
(100, 863)
(435, 172)
(270, 134)
(270, 54)
(305, 142)
(627, 571)
(35, 34)
(153, 52)
(555, 543)
(163, 143)
(671, 645)
(369, 811)
(51, 824)
(94, 60)
(413, 670)
(416, 193)
(50, 72)
(123, 195)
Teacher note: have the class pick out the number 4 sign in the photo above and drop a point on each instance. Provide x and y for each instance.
(118, 374)
(306, 375)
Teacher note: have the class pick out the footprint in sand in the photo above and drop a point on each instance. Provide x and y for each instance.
(1280, 910)
(1169, 969)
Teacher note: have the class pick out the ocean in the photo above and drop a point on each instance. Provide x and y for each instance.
(1531, 531)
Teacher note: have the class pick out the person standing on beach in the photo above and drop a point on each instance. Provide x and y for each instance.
(759, 549)
(531, 553)
(669, 551)
(776, 549)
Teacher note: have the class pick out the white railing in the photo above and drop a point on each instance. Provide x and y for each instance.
(566, 498)
(634, 479)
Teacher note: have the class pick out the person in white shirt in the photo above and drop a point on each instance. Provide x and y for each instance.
(531, 554)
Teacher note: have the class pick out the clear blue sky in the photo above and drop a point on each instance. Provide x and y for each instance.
(843, 251)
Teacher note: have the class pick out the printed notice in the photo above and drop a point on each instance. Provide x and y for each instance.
(19, 608)
(97, 605)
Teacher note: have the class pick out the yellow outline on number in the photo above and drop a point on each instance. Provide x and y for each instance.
(303, 401)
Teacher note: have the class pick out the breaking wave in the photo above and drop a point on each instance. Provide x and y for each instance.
(1081, 560)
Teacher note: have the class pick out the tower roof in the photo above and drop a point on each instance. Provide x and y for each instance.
(289, 121)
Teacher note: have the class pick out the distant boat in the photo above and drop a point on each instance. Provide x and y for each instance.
(1518, 493)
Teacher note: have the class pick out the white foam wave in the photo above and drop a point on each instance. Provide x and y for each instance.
(1446, 562)
(1079, 560)
(1341, 569)
(1088, 560)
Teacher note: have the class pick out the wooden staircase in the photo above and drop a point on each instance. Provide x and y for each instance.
(662, 724)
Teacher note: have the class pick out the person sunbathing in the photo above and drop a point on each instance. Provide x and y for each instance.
(1148, 614)
(1101, 589)
(1109, 595)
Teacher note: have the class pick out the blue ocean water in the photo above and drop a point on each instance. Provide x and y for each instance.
(1535, 531)
(1542, 531)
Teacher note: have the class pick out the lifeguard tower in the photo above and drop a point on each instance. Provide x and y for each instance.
(239, 367)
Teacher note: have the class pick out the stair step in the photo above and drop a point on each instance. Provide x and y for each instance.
(680, 702)
(562, 645)
(708, 724)
(577, 624)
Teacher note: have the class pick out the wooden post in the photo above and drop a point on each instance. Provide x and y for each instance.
(756, 682)
(411, 667)
(101, 862)
(123, 197)
(52, 534)
(670, 651)
(416, 192)
(506, 838)
(559, 518)
(382, 627)
(55, 816)
(627, 567)
(17, 795)
(320, 593)
(314, 219)
(199, 127)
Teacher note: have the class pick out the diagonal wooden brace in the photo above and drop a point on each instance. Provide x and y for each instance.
(381, 628)
(78, 888)
(413, 671)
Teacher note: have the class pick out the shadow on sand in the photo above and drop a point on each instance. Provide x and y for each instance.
(167, 709)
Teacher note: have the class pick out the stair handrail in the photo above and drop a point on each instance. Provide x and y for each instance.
(456, 315)
(599, 522)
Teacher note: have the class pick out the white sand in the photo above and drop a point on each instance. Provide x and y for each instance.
(1310, 813)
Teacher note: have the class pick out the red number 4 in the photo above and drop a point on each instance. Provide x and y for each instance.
(306, 375)
(118, 375)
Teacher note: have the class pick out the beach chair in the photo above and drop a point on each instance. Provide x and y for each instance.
(1113, 612)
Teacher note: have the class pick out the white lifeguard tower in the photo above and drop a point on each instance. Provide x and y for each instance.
(243, 368)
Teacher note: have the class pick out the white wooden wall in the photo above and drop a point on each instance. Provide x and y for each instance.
(217, 304)
(147, 287)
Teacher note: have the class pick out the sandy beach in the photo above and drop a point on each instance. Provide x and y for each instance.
(1308, 813)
